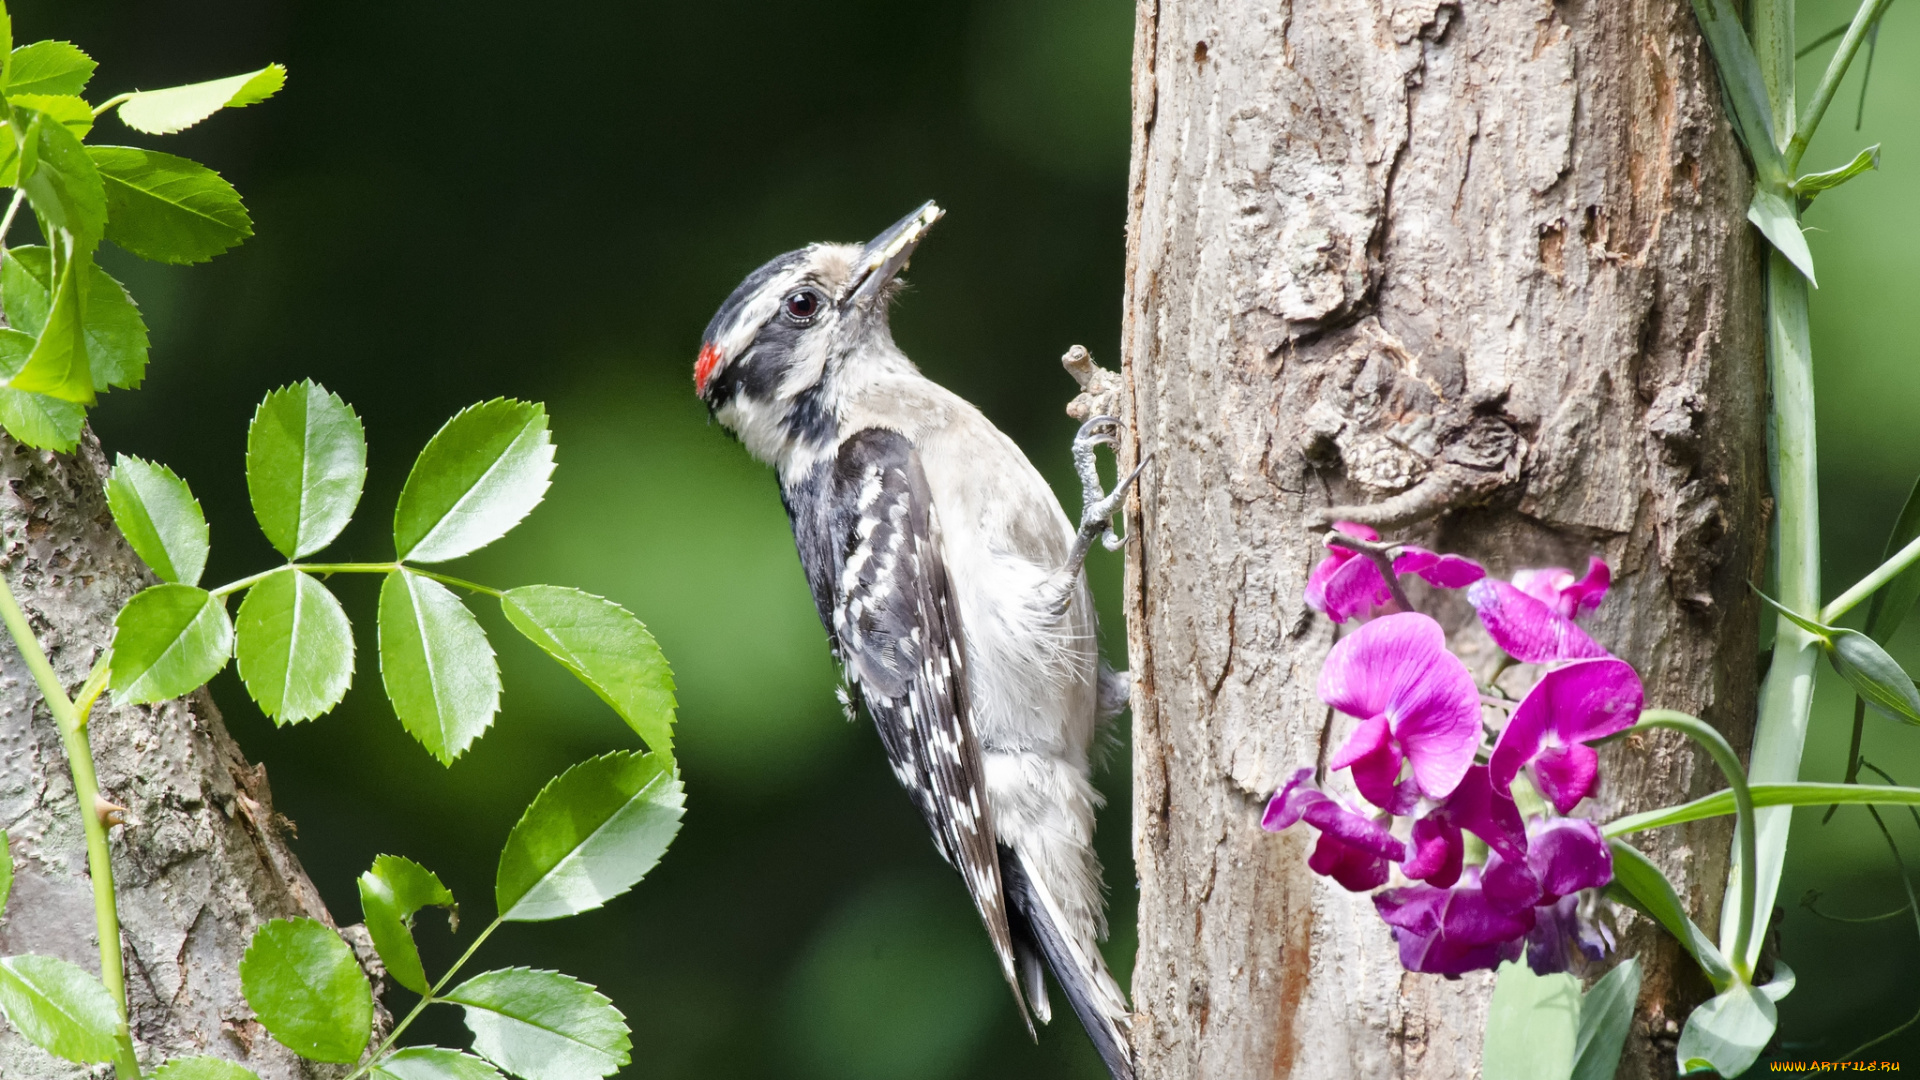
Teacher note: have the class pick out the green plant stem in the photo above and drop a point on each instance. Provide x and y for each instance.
(1913, 902)
(1853, 751)
(357, 568)
(104, 107)
(1786, 697)
(1716, 746)
(1771, 28)
(13, 210)
(431, 996)
(1863, 22)
(1872, 583)
(86, 791)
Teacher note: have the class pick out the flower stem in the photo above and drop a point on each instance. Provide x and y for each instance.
(86, 791)
(1381, 556)
(1716, 745)
(1872, 583)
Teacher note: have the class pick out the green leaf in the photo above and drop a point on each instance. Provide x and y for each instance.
(1813, 184)
(589, 836)
(306, 466)
(606, 647)
(438, 668)
(60, 1008)
(1727, 1033)
(542, 1025)
(160, 518)
(6, 851)
(58, 364)
(307, 989)
(48, 67)
(1812, 626)
(177, 108)
(433, 1063)
(1783, 982)
(1781, 226)
(1746, 89)
(72, 111)
(390, 893)
(1532, 1022)
(116, 335)
(1606, 1014)
(1874, 675)
(479, 475)
(59, 178)
(294, 647)
(1646, 889)
(6, 45)
(1720, 803)
(203, 1068)
(1890, 605)
(167, 642)
(167, 208)
(42, 422)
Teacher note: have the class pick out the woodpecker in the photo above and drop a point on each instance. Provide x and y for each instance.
(949, 582)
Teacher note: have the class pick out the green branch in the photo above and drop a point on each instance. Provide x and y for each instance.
(1863, 22)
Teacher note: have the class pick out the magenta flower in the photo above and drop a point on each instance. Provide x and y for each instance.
(1347, 584)
(1473, 807)
(1567, 855)
(1352, 850)
(1559, 930)
(1452, 931)
(1526, 626)
(1417, 705)
(1569, 707)
(1557, 588)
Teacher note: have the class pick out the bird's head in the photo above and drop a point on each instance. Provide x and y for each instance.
(799, 327)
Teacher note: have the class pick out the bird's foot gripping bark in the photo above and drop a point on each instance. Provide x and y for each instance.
(1098, 506)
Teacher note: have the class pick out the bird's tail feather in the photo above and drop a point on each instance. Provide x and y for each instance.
(1096, 999)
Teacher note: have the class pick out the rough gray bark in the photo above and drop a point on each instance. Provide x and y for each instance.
(202, 864)
(1484, 269)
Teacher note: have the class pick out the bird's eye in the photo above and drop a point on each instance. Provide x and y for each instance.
(803, 306)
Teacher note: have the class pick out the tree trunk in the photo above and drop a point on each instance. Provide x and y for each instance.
(1483, 269)
(200, 864)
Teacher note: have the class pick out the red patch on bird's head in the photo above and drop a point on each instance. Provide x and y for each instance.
(703, 367)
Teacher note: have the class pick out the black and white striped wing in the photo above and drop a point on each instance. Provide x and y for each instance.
(897, 626)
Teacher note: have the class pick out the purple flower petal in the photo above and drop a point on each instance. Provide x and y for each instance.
(1353, 850)
(1570, 705)
(1451, 931)
(1568, 855)
(1375, 759)
(1398, 666)
(1510, 885)
(1545, 584)
(1488, 814)
(1586, 594)
(1527, 628)
(1355, 870)
(1357, 531)
(1566, 774)
(1345, 584)
(1437, 851)
(1444, 571)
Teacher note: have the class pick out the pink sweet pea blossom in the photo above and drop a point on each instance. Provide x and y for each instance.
(1353, 850)
(1452, 931)
(1532, 618)
(1473, 807)
(1417, 703)
(1347, 584)
(1569, 707)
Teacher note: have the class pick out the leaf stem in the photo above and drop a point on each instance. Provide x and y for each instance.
(1381, 556)
(86, 791)
(1872, 583)
(357, 568)
(431, 996)
(13, 209)
(105, 106)
(1863, 22)
(1716, 745)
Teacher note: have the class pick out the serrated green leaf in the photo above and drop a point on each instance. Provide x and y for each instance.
(6, 851)
(69, 109)
(606, 647)
(390, 893)
(307, 990)
(49, 67)
(167, 642)
(1812, 184)
(294, 647)
(46, 423)
(479, 475)
(59, 1008)
(1874, 675)
(6, 45)
(589, 836)
(58, 364)
(542, 1025)
(59, 178)
(167, 208)
(160, 518)
(177, 108)
(433, 1063)
(1606, 1014)
(116, 335)
(203, 1068)
(1532, 1022)
(306, 466)
(1639, 883)
(1890, 606)
(438, 669)
(1775, 218)
(1728, 1032)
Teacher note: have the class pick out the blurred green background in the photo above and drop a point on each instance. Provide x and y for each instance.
(460, 201)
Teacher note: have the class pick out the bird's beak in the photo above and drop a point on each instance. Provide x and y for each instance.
(887, 254)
